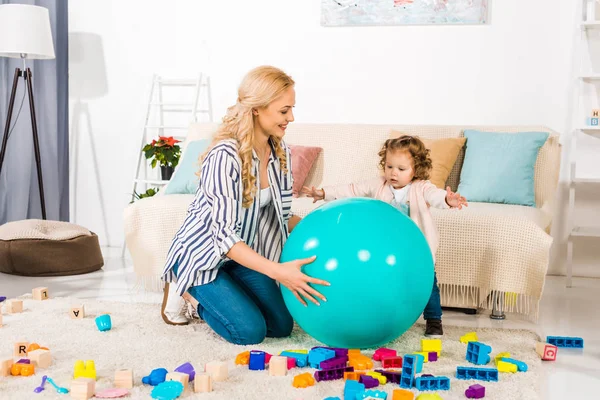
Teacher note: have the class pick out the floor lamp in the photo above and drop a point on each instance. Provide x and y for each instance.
(25, 33)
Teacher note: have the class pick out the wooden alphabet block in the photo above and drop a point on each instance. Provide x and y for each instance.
(278, 366)
(77, 312)
(179, 377)
(0, 320)
(14, 306)
(546, 351)
(124, 378)
(40, 293)
(40, 358)
(596, 113)
(217, 369)
(5, 365)
(83, 388)
(21, 349)
(202, 383)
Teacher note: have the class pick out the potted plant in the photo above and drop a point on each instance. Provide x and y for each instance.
(164, 152)
(148, 193)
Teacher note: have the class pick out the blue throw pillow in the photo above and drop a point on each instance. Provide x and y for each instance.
(184, 179)
(499, 167)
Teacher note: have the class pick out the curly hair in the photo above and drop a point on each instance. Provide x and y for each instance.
(416, 148)
(258, 89)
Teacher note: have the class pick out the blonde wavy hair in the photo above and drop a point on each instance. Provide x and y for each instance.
(258, 89)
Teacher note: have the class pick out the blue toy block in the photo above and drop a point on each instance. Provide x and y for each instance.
(521, 366)
(482, 374)
(420, 361)
(409, 364)
(565, 341)
(432, 383)
(592, 121)
(315, 356)
(478, 353)
(352, 389)
(372, 394)
(157, 376)
(331, 398)
(301, 359)
(257, 360)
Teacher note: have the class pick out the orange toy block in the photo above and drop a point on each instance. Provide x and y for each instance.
(21, 349)
(243, 358)
(124, 378)
(303, 380)
(40, 293)
(179, 377)
(5, 365)
(202, 383)
(14, 306)
(77, 312)
(353, 376)
(401, 394)
(35, 346)
(40, 358)
(217, 369)
(22, 369)
(360, 362)
(546, 351)
(278, 366)
(83, 388)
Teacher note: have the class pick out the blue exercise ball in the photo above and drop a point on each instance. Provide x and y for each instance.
(380, 269)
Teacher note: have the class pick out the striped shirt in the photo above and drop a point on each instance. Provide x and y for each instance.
(216, 220)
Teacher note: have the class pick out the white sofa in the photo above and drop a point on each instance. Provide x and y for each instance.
(487, 251)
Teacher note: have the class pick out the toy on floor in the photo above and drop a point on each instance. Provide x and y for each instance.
(40, 358)
(167, 390)
(402, 394)
(344, 251)
(478, 353)
(243, 358)
(157, 376)
(217, 370)
(521, 366)
(180, 377)
(565, 341)
(103, 323)
(483, 374)
(2, 298)
(40, 293)
(40, 388)
(475, 392)
(429, 396)
(20, 349)
(87, 371)
(83, 388)
(77, 312)
(546, 351)
(469, 337)
(124, 379)
(303, 380)
(203, 383)
(22, 369)
(59, 389)
(15, 306)
(188, 369)
(112, 393)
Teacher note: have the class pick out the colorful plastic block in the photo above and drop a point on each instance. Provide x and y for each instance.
(257, 360)
(301, 358)
(359, 361)
(521, 366)
(377, 375)
(409, 366)
(87, 371)
(303, 380)
(336, 362)
(500, 356)
(392, 362)
(592, 121)
(429, 396)
(302, 351)
(401, 394)
(475, 392)
(428, 345)
(188, 369)
(420, 360)
(332, 398)
(432, 356)
(167, 390)
(103, 322)
(372, 394)
(353, 389)
(478, 353)
(242, 358)
(482, 374)
(369, 381)
(547, 352)
(291, 362)
(565, 341)
(469, 337)
(157, 376)
(432, 383)
(315, 356)
(391, 376)
(331, 374)
(353, 376)
(425, 355)
(384, 352)
(506, 367)
(22, 369)
(339, 352)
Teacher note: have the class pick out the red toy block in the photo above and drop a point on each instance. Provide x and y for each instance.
(384, 352)
(392, 362)
(546, 351)
(291, 362)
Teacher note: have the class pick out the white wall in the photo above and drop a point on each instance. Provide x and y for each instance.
(515, 70)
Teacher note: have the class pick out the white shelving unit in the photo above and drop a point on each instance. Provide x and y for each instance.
(585, 76)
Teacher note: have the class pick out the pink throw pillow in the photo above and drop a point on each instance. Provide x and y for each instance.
(303, 158)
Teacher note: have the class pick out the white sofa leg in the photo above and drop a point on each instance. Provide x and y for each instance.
(497, 312)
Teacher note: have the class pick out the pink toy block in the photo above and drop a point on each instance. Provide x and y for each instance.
(546, 351)
(384, 352)
(291, 362)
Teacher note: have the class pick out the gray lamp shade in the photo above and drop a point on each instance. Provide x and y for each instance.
(25, 30)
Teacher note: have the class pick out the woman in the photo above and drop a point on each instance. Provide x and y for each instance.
(226, 254)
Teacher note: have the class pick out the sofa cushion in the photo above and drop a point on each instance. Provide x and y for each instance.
(185, 180)
(500, 167)
(303, 158)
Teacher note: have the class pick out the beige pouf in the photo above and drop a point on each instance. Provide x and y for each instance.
(36, 247)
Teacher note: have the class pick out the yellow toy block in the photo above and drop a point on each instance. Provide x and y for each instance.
(297, 351)
(243, 358)
(429, 396)
(500, 356)
(428, 345)
(469, 337)
(87, 371)
(401, 394)
(425, 355)
(382, 379)
(504, 366)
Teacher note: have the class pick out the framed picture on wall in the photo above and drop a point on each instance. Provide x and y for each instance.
(403, 12)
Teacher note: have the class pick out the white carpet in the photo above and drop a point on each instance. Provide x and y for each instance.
(140, 340)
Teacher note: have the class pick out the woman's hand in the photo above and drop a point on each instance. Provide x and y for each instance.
(316, 194)
(455, 200)
(289, 275)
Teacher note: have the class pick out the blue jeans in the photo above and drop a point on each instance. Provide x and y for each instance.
(433, 309)
(243, 306)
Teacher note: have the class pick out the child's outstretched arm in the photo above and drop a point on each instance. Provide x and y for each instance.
(455, 200)
(329, 193)
(440, 198)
